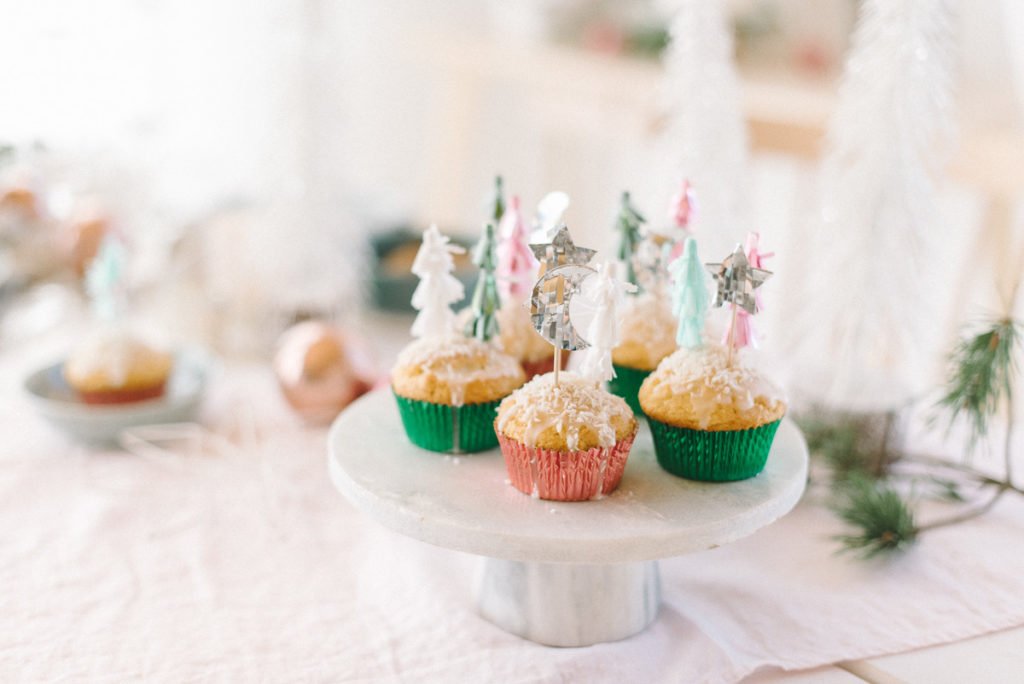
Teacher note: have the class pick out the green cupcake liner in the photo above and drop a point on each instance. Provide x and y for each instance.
(434, 426)
(712, 456)
(626, 384)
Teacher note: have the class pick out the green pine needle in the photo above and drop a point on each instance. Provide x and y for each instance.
(851, 445)
(883, 520)
(980, 378)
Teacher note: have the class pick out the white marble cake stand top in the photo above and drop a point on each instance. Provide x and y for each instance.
(464, 503)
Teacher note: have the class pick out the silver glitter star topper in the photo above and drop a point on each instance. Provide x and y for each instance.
(563, 270)
(736, 280)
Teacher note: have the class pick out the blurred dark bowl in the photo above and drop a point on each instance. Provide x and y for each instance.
(391, 281)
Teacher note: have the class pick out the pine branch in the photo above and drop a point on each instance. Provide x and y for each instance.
(884, 521)
(980, 379)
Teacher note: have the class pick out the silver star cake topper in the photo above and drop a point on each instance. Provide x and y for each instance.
(564, 270)
(561, 250)
(736, 280)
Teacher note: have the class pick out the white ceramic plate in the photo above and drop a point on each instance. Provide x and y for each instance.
(58, 404)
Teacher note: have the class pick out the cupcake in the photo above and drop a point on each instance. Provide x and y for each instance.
(448, 388)
(648, 335)
(518, 338)
(565, 442)
(114, 367)
(711, 420)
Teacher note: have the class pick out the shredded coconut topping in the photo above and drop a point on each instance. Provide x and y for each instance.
(649, 323)
(572, 404)
(518, 337)
(458, 361)
(707, 378)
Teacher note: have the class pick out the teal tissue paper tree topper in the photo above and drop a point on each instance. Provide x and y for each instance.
(689, 296)
(104, 281)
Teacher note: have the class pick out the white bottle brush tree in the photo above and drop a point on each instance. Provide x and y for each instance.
(867, 342)
(438, 289)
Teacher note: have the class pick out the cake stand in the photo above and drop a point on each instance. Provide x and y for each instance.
(561, 574)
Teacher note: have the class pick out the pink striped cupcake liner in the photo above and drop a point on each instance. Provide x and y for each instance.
(565, 475)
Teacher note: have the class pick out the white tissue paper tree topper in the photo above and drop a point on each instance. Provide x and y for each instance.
(438, 288)
(605, 295)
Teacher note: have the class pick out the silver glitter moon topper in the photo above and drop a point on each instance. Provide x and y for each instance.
(736, 280)
(563, 270)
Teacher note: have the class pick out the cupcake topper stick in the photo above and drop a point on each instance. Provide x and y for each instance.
(564, 268)
(605, 297)
(516, 263)
(689, 296)
(438, 288)
(628, 223)
(736, 280)
(104, 281)
(484, 323)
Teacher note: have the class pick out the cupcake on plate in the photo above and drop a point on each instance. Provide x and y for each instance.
(448, 385)
(711, 418)
(115, 367)
(648, 327)
(448, 389)
(563, 437)
(567, 441)
(648, 336)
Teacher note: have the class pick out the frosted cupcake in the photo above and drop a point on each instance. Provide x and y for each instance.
(711, 420)
(648, 333)
(448, 389)
(114, 367)
(518, 338)
(565, 442)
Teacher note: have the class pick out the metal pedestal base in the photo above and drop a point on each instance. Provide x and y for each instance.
(563, 604)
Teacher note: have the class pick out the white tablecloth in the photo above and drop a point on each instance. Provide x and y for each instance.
(236, 560)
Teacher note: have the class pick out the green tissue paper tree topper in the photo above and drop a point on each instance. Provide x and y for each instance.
(483, 324)
(498, 200)
(628, 223)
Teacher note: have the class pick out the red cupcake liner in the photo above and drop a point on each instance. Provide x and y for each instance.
(122, 396)
(565, 475)
(535, 368)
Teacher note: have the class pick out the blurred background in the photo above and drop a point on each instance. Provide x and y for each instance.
(264, 161)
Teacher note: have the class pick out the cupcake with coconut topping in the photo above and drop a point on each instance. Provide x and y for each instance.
(711, 419)
(448, 389)
(114, 367)
(447, 385)
(648, 336)
(567, 441)
(712, 415)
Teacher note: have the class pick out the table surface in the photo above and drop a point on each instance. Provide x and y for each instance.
(465, 502)
(228, 554)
